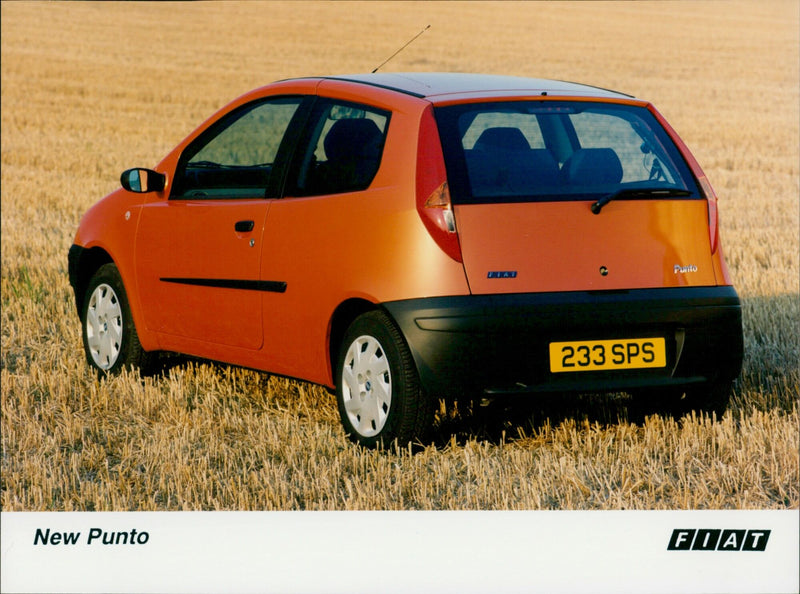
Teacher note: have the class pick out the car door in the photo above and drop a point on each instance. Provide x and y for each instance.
(327, 236)
(198, 254)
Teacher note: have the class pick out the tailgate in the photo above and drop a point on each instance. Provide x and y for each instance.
(563, 246)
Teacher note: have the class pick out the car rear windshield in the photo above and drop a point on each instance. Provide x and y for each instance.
(519, 151)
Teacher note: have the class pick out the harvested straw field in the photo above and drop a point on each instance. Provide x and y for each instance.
(90, 89)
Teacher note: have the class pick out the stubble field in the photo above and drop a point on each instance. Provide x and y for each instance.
(91, 89)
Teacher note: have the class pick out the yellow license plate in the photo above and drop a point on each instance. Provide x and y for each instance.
(598, 355)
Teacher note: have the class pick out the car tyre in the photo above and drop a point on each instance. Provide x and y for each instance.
(711, 398)
(378, 389)
(110, 340)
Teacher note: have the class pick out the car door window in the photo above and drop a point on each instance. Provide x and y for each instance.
(341, 150)
(238, 157)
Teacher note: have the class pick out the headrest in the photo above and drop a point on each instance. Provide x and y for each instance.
(505, 139)
(593, 166)
(353, 138)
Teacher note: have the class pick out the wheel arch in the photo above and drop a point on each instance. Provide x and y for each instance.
(401, 409)
(83, 263)
(342, 317)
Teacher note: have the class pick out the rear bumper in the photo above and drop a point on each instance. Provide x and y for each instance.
(493, 344)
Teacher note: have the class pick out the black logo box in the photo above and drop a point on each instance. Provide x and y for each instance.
(714, 539)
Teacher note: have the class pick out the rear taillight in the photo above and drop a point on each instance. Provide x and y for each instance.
(433, 195)
(713, 216)
(443, 217)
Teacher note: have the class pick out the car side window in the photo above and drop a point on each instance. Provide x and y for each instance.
(237, 157)
(341, 150)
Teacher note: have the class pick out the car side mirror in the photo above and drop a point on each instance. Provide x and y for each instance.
(141, 180)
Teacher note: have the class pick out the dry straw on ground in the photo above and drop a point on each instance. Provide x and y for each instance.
(89, 89)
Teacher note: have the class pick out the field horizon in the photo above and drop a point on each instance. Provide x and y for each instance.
(90, 89)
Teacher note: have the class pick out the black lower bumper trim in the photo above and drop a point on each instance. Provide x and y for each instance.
(499, 343)
(617, 384)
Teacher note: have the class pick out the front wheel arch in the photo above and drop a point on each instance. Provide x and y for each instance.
(110, 338)
(84, 264)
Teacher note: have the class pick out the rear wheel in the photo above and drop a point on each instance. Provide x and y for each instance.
(109, 334)
(711, 398)
(377, 385)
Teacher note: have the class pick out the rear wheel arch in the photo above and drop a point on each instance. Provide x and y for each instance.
(342, 317)
(378, 389)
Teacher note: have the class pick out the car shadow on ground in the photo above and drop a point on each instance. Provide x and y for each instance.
(510, 418)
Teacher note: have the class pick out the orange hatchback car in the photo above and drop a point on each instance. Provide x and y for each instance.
(401, 238)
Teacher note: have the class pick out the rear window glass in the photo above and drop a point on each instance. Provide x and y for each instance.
(555, 150)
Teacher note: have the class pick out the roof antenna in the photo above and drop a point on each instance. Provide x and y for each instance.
(401, 49)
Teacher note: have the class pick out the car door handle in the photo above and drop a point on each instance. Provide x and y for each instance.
(244, 226)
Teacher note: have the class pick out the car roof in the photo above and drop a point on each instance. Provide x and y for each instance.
(439, 86)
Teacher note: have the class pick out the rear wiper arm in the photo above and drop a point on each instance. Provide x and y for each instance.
(655, 192)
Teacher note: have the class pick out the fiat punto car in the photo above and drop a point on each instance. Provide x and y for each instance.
(404, 238)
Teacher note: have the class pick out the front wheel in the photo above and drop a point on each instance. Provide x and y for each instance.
(109, 334)
(377, 385)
